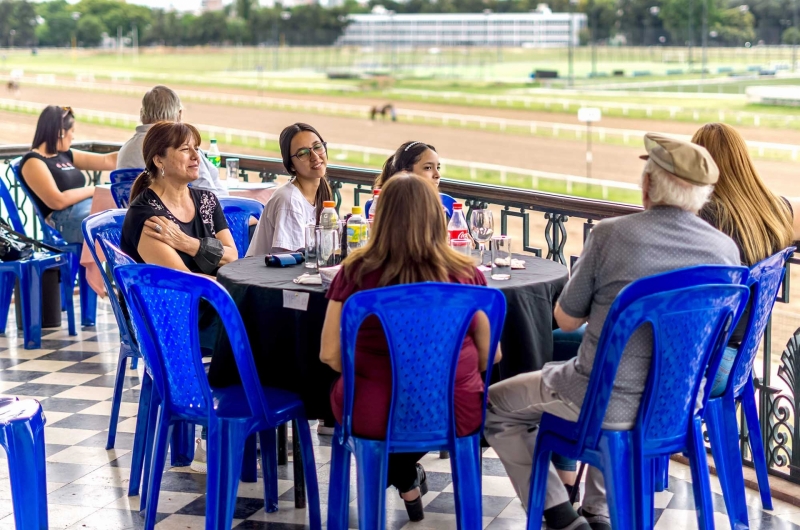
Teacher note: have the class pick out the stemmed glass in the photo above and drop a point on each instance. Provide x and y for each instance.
(482, 228)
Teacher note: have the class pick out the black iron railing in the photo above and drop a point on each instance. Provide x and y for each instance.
(777, 407)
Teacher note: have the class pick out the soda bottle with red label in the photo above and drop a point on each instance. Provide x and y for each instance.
(457, 227)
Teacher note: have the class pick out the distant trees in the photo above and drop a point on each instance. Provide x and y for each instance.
(640, 22)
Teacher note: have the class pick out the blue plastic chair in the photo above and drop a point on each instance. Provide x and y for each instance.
(29, 273)
(22, 436)
(107, 226)
(424, 354)
(723, 429)
(690, 326)
(52, 237)
(120, 175)
(447, 202)
(164, 306)
(238, 211)
(121, 192)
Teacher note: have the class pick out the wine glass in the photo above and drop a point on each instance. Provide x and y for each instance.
(482, 228)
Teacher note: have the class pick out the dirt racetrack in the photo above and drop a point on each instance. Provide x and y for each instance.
(559, 156)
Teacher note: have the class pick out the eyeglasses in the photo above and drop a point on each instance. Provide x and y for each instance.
(67, 112)
(305, 153)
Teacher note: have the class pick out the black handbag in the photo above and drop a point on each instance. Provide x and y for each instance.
(15, 246)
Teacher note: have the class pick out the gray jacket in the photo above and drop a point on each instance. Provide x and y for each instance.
(130, 156)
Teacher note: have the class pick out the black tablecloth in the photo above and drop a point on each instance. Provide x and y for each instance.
(286, 342)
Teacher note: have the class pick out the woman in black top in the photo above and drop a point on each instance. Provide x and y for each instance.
(168, 223)
(53, 173)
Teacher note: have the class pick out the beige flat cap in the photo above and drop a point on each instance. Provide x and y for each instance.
(683, 159)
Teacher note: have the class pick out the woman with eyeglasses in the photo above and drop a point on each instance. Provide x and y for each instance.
(53, 173)
(298, 202)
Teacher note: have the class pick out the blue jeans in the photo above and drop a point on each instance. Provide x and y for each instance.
(721, 380)
(69, 220)
(565, 347)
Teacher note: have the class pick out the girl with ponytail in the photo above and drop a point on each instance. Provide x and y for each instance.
(298, 202)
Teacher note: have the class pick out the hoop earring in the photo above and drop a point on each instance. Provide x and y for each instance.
(162, 171)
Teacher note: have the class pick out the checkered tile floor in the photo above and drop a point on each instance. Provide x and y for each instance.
(87, 485)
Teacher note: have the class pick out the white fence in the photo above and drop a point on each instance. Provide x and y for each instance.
(557, 130)
(342, 151)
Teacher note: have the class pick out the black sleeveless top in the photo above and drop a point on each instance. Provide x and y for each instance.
(65, 174)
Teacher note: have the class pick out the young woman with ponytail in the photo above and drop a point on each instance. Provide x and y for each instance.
(298, 202)
(418, 158)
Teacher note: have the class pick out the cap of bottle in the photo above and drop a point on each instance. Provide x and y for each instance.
(376, 192)
(213, 141)
(328, 204)
(457, 206)
(357, 210)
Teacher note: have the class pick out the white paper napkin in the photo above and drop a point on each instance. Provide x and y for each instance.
(308, 279)
(517, 264)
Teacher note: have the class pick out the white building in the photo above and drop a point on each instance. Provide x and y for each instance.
(535, 29)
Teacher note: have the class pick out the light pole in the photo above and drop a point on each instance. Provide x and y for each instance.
(571, 52)
(705, 38)
(654, 11)
(285, 16)
(391, 42)
(794, 35)
(691, 33)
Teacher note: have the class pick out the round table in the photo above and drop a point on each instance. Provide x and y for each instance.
(286, 342)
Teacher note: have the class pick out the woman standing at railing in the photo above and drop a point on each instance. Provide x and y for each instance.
(54, 173)
(298, 202)
(743, 207)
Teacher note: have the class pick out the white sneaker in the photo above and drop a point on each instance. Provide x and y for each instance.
(199, 464)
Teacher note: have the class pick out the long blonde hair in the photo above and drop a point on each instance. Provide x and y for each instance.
(745, 209)
(408, 238)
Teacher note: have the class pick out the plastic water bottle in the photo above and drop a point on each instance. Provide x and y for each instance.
(328, 250)
(356, 230)
(457, 227)
(374, 206)
(213, 154)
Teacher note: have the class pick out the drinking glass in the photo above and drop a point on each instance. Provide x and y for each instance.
(501, 257)
(329, 252)
(311, 246)
(232, 170)
(482, 228)
(462, 246)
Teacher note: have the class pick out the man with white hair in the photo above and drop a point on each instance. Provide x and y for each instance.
(161, 103)
(676, 182)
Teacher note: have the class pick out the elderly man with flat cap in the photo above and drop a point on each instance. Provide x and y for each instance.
(677, 180)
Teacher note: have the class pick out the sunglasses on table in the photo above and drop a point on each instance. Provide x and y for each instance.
(305, 153)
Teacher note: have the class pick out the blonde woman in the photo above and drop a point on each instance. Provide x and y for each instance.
(760, 222)
(398, 253)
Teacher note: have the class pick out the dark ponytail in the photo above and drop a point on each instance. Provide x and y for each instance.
(159, 138)
(403, 159)
(324, 192)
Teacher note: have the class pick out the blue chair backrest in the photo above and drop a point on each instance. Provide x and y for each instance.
(120, 175)
(238, 211)
(51, 236)
(164, 306)
(121, 191)
(765, 280)
(425, 325)
(691, 322)
(11, 207)
(105, 228)
(447, 202)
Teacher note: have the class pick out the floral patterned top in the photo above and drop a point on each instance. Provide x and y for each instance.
(208, 221)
